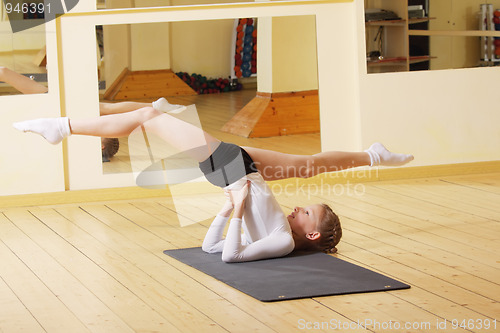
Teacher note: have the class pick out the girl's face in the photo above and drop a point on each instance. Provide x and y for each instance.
(304, 220)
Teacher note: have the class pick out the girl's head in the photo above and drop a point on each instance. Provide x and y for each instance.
(315, 227)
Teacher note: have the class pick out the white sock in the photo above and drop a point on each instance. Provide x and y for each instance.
(379, 155)
(54, 130)
(163, 105)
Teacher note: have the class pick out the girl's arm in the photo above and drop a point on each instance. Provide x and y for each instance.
(275, 245)
(214, 241)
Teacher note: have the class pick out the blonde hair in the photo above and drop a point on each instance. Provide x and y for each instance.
(330, 231)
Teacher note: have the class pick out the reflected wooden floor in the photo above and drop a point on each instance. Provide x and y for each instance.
(99, 266)
(214, 111)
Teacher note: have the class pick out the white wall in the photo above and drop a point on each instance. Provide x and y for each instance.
(202, 47)
(27, 163)
(294, 57)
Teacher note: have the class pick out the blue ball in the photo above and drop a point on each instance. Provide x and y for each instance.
(249, 29)
(247, 73)
(245, 66)
(247, 49)
(247, 57)
(248, 40)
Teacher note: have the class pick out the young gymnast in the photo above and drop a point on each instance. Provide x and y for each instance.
(242, 173)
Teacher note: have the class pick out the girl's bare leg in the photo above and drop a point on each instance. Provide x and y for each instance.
(161, 104)
(106, 108)
(183, 136)
(274, 165)
(22, 83)
(113, 126)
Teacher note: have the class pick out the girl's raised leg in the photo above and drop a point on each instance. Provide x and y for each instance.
(275, 165)
(178, 133)
(107, 108)
(161, 104)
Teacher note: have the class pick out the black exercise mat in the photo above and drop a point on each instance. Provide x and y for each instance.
(295, 276)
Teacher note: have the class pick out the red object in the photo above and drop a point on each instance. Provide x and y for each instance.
(496, 20)
(250, 21)
(496, 13)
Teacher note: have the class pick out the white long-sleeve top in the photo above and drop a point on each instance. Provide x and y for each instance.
(266, 231)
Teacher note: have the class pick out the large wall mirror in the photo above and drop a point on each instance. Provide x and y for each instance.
(22, 53)
(212, 64)
(414, 35)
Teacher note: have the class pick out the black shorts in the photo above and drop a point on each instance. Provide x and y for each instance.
(227, 164)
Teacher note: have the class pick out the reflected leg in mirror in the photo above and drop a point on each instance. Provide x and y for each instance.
(22, 83)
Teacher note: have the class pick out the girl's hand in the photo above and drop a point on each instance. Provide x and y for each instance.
(238, 198)
(227, 209)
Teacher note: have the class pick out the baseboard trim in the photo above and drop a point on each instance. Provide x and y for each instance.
(357, 175)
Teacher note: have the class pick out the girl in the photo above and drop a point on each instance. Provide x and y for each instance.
(242, 172)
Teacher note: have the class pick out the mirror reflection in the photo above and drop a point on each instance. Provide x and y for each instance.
(22, 56)
(431, 34)
(213, 64)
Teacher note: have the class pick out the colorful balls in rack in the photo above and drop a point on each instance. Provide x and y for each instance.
(246, 47)
(203, 85)
(247, 57)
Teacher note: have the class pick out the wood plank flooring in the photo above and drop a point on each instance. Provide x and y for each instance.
(99, 266)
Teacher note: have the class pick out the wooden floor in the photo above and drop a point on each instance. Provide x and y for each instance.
(99, 267)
